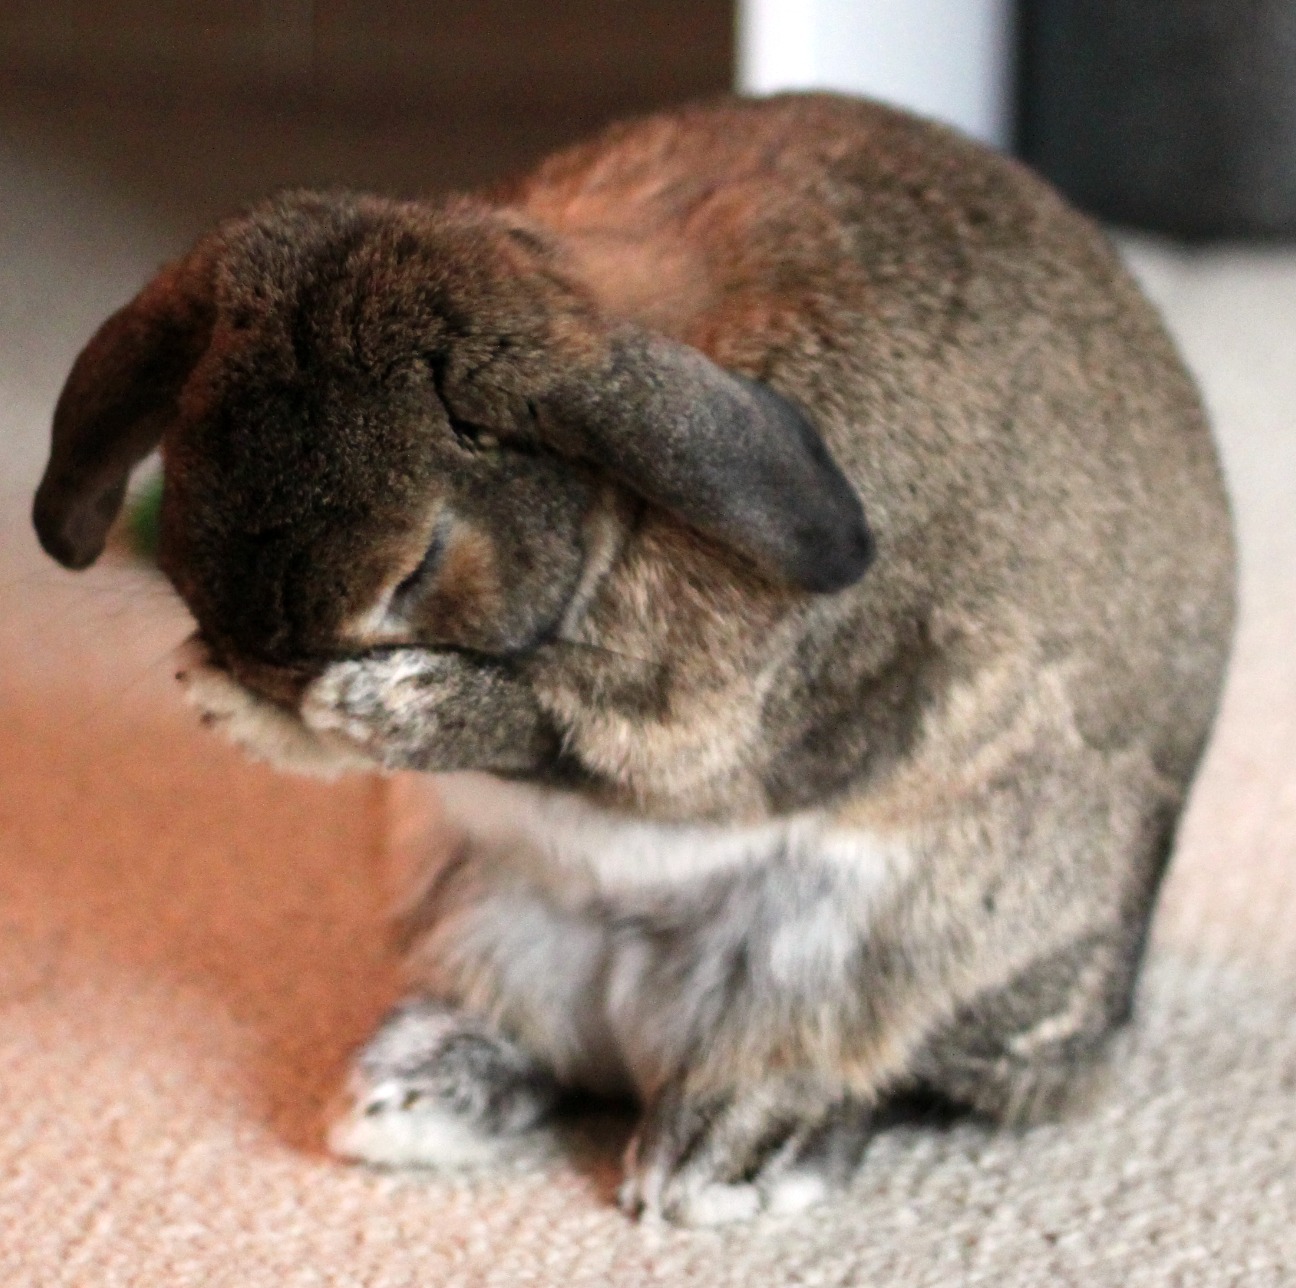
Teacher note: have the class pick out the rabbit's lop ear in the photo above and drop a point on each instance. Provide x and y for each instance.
(118, 398)
(728, 456)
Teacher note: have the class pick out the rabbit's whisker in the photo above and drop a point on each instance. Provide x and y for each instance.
(115, 696)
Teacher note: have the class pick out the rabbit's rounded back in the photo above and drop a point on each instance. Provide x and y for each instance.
(1033, 457)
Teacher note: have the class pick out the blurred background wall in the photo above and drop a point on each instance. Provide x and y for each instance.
(367, 55)
(402, 95)
(1174, 115)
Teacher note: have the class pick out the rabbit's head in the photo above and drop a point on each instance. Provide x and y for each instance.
(386, 422)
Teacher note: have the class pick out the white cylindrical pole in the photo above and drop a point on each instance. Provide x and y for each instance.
(950, 59)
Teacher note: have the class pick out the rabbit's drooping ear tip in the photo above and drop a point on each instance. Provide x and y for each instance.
(119, 397)
(822, 542)
(834, 556)
(725, 454)
(74, 529)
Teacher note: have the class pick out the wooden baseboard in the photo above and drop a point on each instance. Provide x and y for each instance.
(381, 55)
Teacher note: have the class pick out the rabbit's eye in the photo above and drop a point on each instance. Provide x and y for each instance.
(426, 569)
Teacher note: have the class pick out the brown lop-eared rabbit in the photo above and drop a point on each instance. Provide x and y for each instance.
(793, 537)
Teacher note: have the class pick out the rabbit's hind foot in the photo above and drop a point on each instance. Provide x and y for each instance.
(435, 1088)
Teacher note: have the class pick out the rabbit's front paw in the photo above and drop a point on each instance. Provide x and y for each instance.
(385, 704)
(429, 709)
(435, 1088)
(781, 1145)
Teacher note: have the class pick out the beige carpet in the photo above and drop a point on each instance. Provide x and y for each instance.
(189, 945)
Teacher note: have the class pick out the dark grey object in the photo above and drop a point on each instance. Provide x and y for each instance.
(1176, 115)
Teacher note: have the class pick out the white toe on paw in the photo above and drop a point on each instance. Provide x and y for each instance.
(718, 1205)
(390, 1124)
(654, 1196)
(776, 1147)
(795, 1192)
(699, 1203)
(333, 702)
(324, 702)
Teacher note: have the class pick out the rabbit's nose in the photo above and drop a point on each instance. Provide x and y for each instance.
(279, 681)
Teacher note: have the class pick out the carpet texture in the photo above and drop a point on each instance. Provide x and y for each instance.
(190, 945)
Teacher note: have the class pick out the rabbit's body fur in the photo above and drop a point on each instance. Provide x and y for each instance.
(771, 856)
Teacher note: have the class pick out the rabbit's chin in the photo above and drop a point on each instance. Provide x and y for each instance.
(262, 729)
